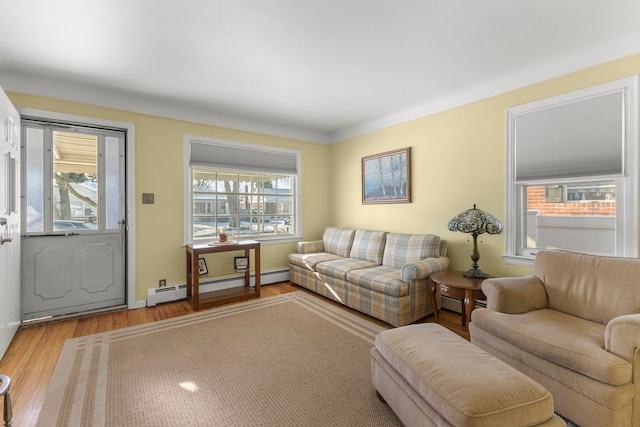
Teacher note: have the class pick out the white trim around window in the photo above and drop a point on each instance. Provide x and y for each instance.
(199, 152)
(539, 134)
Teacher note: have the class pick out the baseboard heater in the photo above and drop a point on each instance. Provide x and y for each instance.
(178, 292)
(454, 304)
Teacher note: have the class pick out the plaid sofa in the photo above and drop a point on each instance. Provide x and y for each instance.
(385, 275)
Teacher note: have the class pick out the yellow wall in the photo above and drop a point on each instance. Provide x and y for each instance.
(457, 159)
(159, 169)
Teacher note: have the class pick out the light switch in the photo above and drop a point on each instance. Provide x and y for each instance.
(147, 198)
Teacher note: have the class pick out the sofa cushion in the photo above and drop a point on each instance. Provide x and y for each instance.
(385, 280)
(339, 268)
(591, 287)
(401, 249)
(309, 261)
(368, 245)
(338, 241)
(565, 340)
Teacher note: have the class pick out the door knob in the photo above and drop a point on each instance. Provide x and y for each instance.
(3, 221)
(4, 240)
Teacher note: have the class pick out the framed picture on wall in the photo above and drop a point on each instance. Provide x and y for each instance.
(386, 177)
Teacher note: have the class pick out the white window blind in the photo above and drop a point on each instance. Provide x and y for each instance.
(580, 138)
(242, 157)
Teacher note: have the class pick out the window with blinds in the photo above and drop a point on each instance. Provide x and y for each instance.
(244, 190)
(572, 173)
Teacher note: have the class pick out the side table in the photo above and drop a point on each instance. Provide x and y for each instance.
(238, 293)
(454, 284)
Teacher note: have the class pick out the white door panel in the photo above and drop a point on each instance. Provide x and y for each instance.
(70, 274)
(9, 222)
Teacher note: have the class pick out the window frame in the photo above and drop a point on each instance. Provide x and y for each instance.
(188, 168)
(626, 185)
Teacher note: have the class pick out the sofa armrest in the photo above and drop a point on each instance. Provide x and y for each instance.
(622, 336)
(423, 269)
(515, 295)
(310, 247)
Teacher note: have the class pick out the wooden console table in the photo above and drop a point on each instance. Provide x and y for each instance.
(238, 293)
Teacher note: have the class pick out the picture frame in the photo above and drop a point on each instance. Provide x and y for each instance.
(386, 177)
(202, 267)
(241, 263)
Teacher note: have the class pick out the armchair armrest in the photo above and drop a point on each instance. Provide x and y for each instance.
(423, 268)
(310, 247)
(622, 336)
(515, 295)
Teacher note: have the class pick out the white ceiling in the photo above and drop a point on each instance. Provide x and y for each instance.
(320, 70)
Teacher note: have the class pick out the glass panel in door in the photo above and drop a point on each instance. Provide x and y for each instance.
(33, 189)
(75, 181)
(113, 183)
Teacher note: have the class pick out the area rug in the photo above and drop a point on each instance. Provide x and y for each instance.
(288, 360)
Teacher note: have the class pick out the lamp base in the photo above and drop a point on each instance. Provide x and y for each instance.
(475, 273)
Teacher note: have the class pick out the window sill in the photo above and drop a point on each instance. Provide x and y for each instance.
(278, 240)
(525, 261)
(262, 240)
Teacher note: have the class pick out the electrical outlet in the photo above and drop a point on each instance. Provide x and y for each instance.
(162, 282)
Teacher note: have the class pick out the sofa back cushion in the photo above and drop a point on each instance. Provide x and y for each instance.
(591, 287)
(401, 249)
(443, 247)
(338, 241)
(368, 245)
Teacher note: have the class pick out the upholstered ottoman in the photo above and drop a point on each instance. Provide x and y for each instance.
(430, 376)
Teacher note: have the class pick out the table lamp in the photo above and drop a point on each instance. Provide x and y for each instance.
(475, 222)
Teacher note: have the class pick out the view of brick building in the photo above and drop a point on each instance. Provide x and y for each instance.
(538, 199)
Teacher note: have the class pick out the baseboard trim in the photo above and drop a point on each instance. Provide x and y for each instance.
(177, 292)
(455, 305)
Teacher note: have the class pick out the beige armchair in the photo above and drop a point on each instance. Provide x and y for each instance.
(573, 326)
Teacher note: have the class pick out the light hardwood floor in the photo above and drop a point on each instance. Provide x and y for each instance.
(33, 353)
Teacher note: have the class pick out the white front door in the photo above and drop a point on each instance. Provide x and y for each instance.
(9, 222)
(73, 249)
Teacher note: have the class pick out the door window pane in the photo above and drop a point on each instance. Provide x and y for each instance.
(75, 180)
(34, 191)
(112, 181)
(12, 183)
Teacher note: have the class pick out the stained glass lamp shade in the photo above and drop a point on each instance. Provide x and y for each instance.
(475, 222)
